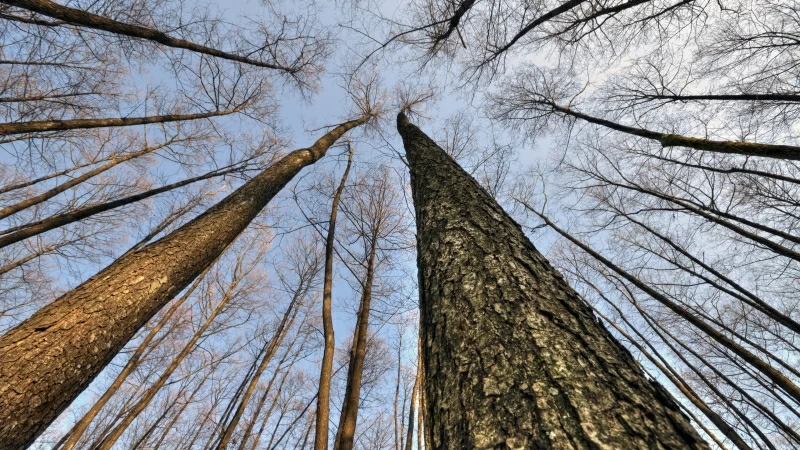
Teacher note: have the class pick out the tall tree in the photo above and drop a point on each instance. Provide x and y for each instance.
(326, 367)
(46, 361)
(377, 224)
(513, 356)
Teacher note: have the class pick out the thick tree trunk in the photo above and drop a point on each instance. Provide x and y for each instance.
(657, 360)
(144, 401)
(346, 432)
(82, 425)
(326, 369)
(513, 357)
(46, 361)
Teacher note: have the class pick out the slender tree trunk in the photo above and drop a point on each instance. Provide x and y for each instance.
(766, 97)
(355, 371)
(513, 357)
(89, 20)
(180, 411)
(75, 124)
(22, 261)
(674, 377)
(744, 295)
(765, 368)
(24, 184)
(326, 369)
(411, 409)
(398, 426)
(167, 405)
(47, 360)
(271, 348)
(20, 233)
(278, 391)
(108, 441)
(50, 193)
(776, 151)
(268, 389)
(423, 427)
(294, 423)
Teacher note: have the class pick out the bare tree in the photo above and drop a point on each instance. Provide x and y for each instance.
(375, 218)
(170, 264)
(326, 367)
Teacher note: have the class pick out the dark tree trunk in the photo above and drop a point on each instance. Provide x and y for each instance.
(47, 360)
(513, 357)
(776, 151)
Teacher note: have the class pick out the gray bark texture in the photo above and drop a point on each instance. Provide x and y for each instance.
(513, 357)
(47, 360)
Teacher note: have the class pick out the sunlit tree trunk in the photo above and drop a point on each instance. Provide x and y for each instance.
(109, 440)
(133, 362)
(513, 357)
(47, 360)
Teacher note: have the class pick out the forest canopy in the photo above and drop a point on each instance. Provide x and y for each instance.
(412, 224)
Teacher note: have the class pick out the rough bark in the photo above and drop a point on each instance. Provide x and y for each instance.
(47, 360)
(89, 20)
(144, 401)
(674, 377)
(141, 351)
(513, 357)
(326, 369)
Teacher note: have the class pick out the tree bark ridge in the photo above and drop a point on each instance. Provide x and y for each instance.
(47, 360)
(513, 357)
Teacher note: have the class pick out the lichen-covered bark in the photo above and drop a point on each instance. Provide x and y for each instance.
(513, 357)
(47, 360)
